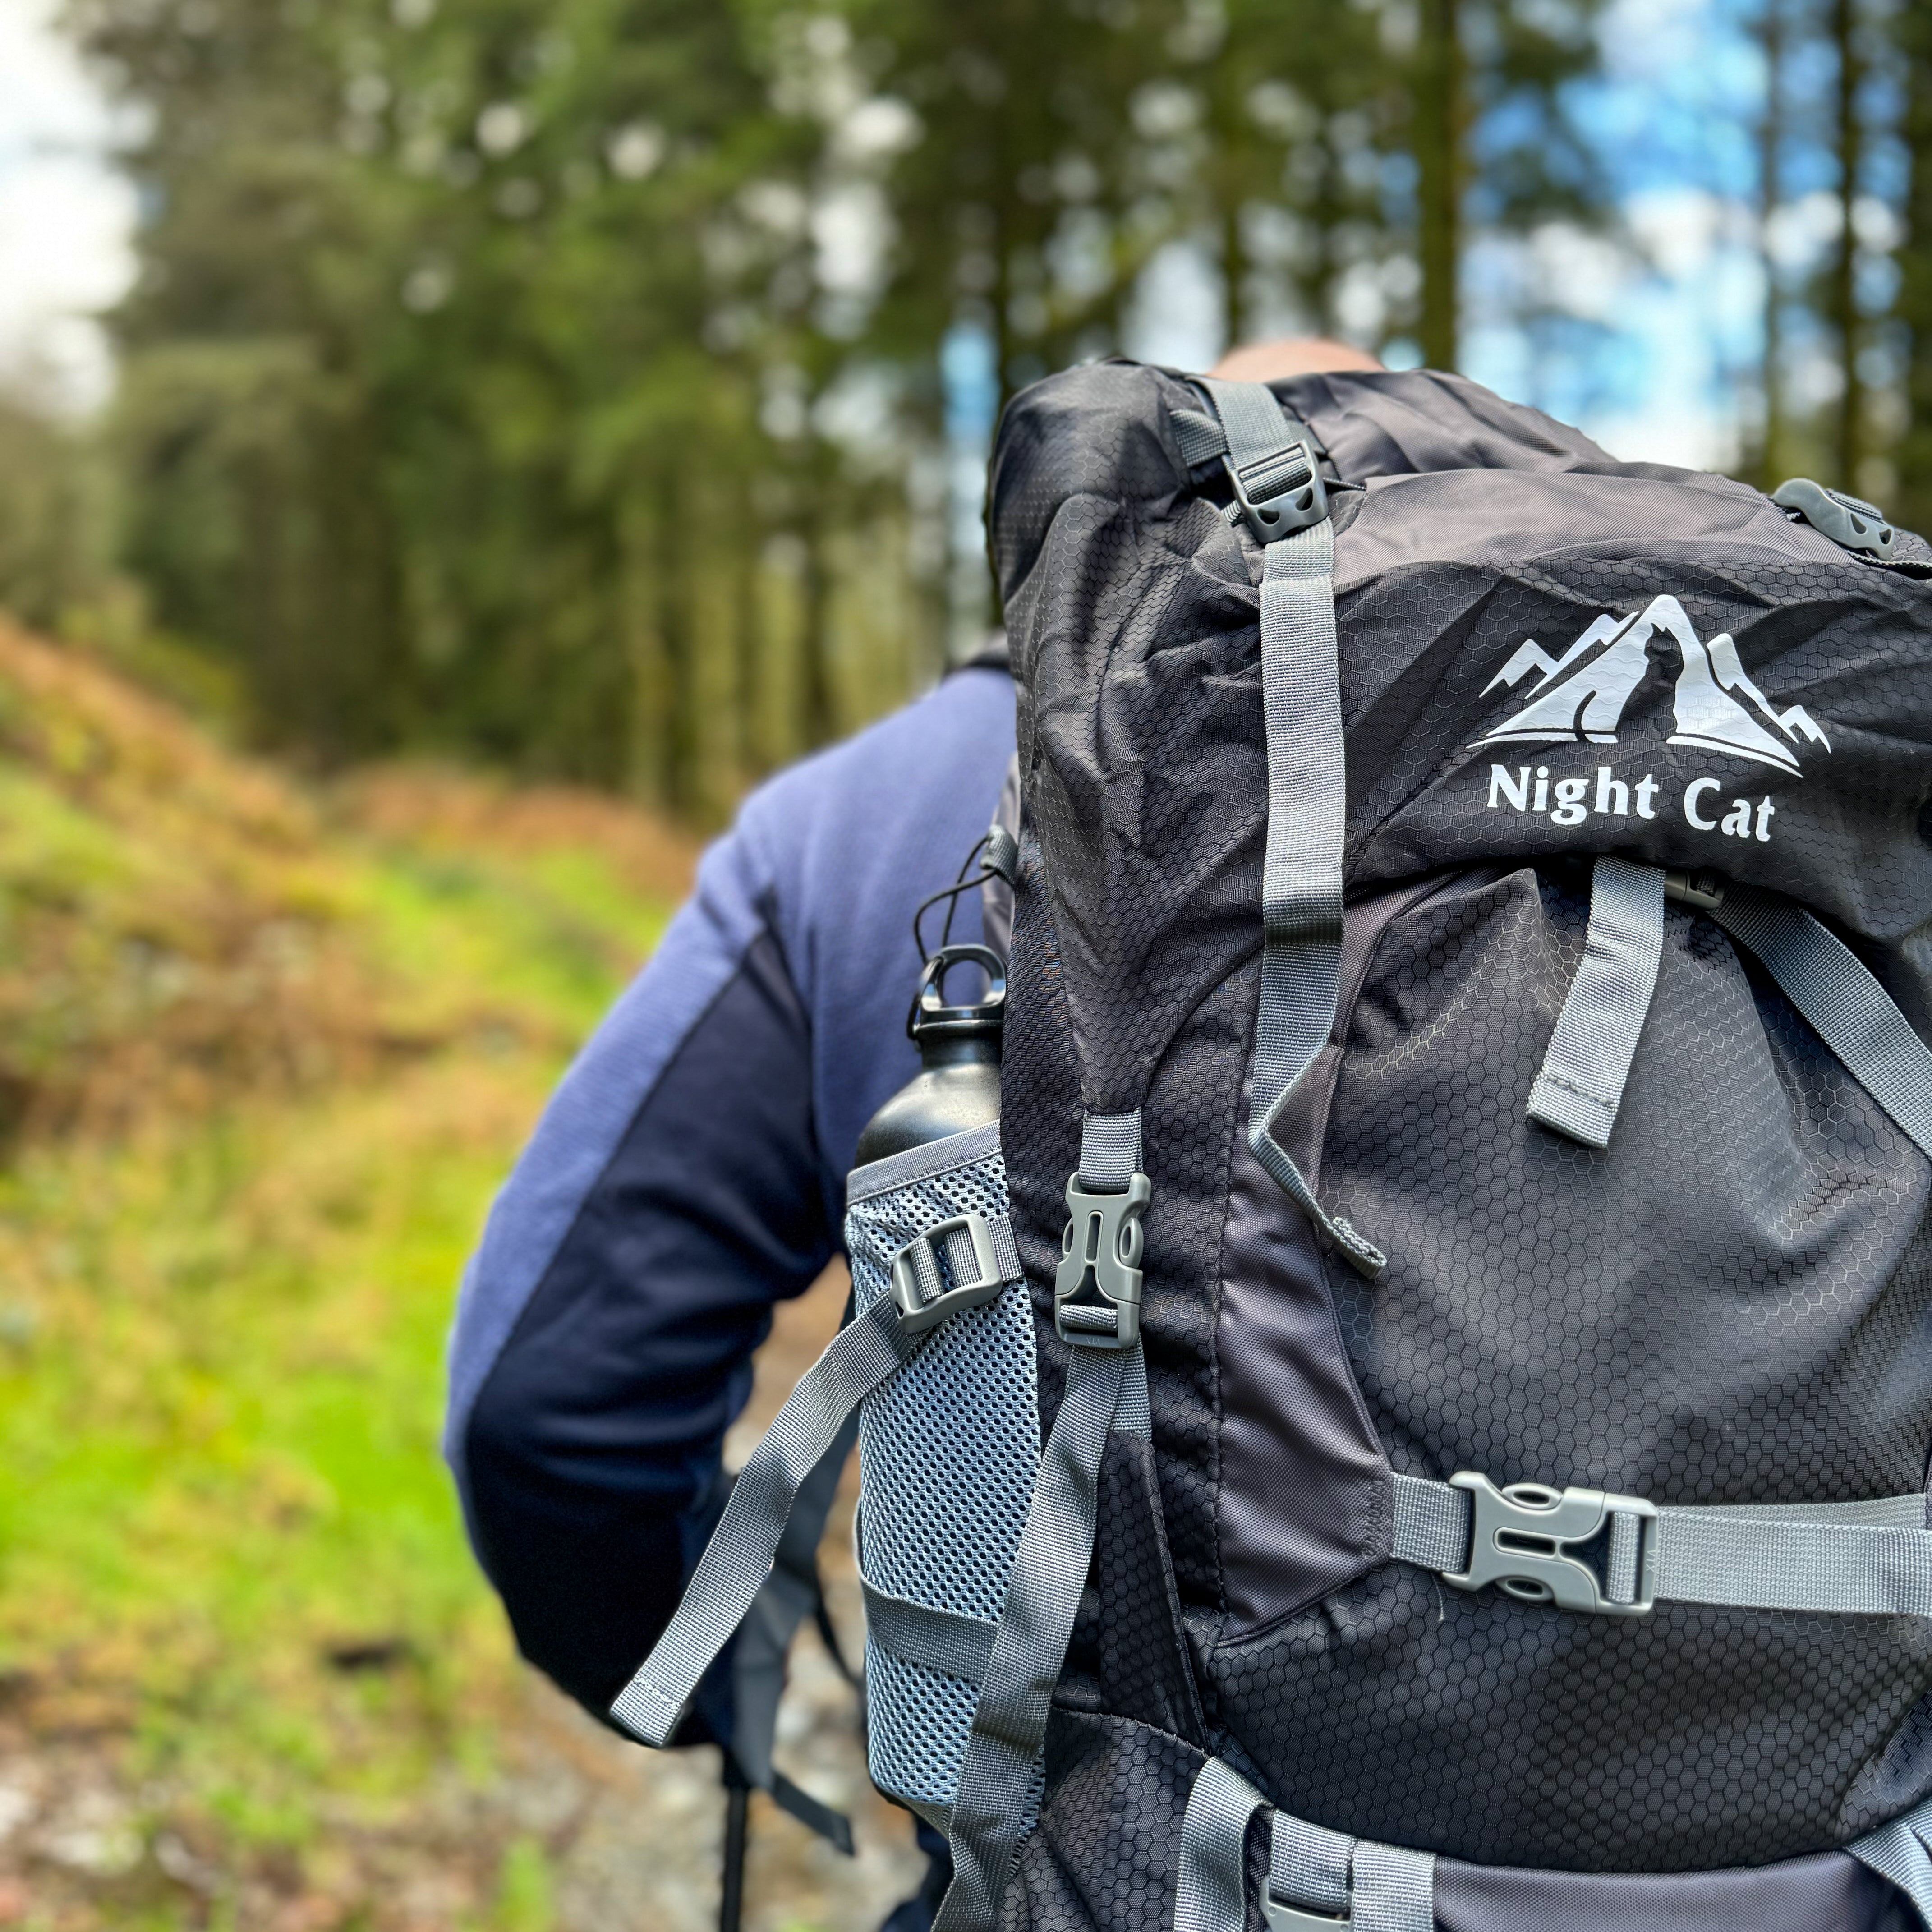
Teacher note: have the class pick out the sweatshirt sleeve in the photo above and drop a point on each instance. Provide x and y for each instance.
(671, 1193)
(689, 1172)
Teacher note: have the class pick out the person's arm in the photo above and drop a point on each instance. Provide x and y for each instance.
(603, 1346)
(690, 1172)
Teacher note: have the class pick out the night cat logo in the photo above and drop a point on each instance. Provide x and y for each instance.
(1579, 698)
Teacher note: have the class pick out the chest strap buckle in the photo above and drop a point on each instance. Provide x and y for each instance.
(1524, 1538)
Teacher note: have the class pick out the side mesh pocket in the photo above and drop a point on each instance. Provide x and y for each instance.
(948, 1449)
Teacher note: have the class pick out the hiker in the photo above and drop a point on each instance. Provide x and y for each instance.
(1416, 1414)
(690, 1172)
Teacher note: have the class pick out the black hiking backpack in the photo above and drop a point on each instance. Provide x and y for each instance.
(1417, 1414)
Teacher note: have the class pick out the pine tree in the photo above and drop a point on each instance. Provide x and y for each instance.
(1842, 311)
(1911, 30)
(1440, 114)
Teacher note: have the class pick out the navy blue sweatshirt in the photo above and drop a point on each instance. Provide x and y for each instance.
(690, 1172)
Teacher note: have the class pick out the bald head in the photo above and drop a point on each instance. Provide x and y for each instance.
(1293, 355)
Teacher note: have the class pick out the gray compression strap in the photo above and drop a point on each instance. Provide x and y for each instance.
(1595, 1042)
(932, 1260)
(1202, 438)
(790, 1594)
(1847, 1007)
(738, 1557)
(1110, 1151)
(1901, 1851)
(1870, 1558)
(1301, 881)
(1209, 1892)
(937, 1639)
(1308, 1865)
(1301, 878)
(1003, 1749)
(1316, 1876)
(1391, 1889)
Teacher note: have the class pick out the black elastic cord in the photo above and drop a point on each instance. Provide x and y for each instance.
(951, 895)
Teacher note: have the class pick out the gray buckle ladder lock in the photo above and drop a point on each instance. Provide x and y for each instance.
(1280, 493)
(924, 1259)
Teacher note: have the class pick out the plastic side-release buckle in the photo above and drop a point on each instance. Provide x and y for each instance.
(1281, 493)
(1848, 521)
(1520, 1537)
(1096, 1290)
(916, 1314)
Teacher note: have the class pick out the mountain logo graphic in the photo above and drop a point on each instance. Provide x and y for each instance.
(1580, 697)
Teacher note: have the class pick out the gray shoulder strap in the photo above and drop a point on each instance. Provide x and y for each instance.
(997, 1793)
(1844, 1004)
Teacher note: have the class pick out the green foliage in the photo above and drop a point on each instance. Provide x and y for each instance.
(560, 382)
(53, 533)
(524, 1903)
(228, 1550)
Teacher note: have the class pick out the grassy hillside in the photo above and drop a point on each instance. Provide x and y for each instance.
(263, 1054)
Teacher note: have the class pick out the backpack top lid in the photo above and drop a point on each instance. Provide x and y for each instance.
(1544, 652)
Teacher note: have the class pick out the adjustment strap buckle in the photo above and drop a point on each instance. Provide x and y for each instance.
(1704, 891)
(1524, 1537)
(922, 1262)
(1096, 1289)
(1280, 493)
(1283, 1917)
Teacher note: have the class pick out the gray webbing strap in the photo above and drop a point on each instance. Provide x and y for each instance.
(1202, 438)
(1301, 877)
(1431, 1524)
(1110, 1151)
(1210, 1893)
(1594, 1042)
(1847, 1007)
(738, 1557)
(790, 1594)
(1869, 1559)
(991, 1803)
(1309, 1865)
(937, 1639)
(1316, 1877)
(1901, 1851)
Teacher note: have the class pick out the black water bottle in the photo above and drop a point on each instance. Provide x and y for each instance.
(958, 1085)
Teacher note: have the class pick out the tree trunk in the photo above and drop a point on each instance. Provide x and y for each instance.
(677, 755)
(1913, 455)
(747, 637)
(815, 640)
(1439, 111)
(1234, 259)
(1329, 210)
(1771, 462)
(1843, 300)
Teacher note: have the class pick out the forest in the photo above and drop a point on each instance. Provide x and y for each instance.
(599, 390)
